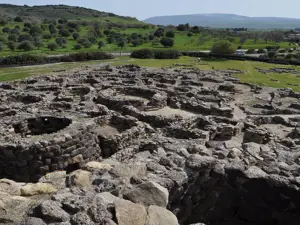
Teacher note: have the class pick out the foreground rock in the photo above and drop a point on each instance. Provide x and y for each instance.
(130, 145)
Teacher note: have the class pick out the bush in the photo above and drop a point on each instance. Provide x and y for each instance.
(85, 42)
(26, 29)
(223, 48)
(2, 46)
(170, 34)
(12, 37)
(167, 42)
(289, 56)
(101, 44)
(35, 30)
(52, 46)
(282, 50)
(11, 45)
(76, 36)
(271, 54)
(143, 54)
(77, 46)
(26, 46)
(25, 37)
(251, 51)
(92, 39)
(61, 41)
(272, 48)
(261, 51)
(5, 30)
(64, 33)
(157, 54)
(15, 31)
(18, 19)
(47, 36)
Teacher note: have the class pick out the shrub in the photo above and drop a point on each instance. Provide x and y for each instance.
(18, 19)
(76, 36)
(15, 31)
(289, 56)
(52, 46)
(250, 51)
(101, 44)
(170, 34)
(2, 46)
(26, 29)
(272, 48)
(223, 48)
(12, 37)
(3, 38)
(92, 39)
(38, 43)
(77, 46)
(11, 45)
(189, 34)
(61, 41)
(35, 30)
(282, 50)
(271, 54)
(261, 51)
(25, 37)
(167, 42)
(26, 46)
(143, 54)
(85, 42)
(47, 36)
(157, 54)
(166, 54)
(160, 32)
(5, 30)
(64, 33)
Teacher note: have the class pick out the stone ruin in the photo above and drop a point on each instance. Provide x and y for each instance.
(129, 145)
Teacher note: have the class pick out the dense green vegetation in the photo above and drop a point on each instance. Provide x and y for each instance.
(63, 29)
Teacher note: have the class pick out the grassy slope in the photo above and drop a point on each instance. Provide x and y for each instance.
(251, 75)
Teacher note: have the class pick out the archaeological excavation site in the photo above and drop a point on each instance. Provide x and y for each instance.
(138, 146)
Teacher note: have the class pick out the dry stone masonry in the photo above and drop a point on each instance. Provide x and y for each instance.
(134, 146)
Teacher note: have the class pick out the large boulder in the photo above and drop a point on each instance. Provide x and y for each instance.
(149, 193)
(80, 178)
(51, 211)
(129, 213)
(160, 216)
(57, 179)
(10, 187)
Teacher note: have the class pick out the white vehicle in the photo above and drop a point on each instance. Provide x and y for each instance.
(239, 52)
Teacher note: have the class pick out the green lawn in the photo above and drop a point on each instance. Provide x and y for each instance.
(251, 75)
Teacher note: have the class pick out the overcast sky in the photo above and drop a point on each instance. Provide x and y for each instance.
(143, 9)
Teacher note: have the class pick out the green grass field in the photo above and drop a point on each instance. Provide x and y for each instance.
(251, 74)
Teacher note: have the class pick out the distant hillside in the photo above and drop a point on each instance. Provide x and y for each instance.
(51, 12)
(227, 21)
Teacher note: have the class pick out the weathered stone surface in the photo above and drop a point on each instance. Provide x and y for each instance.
(130, 213)
(90, 166)
(37, 189)
(160, 216)
(10, 187)
(51, 211)
(80, 178)
(149, 193)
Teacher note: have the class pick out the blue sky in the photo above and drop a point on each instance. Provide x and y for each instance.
(143, 9)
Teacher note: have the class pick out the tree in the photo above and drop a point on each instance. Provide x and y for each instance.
(53, 30)
(92, 39)
(25, 37)
(75, 36)
(12, 37)
(85, 42)
(64, 32)
(2, 46)
(38, 43)
(29, 25)
(170, 34)
(223, 48)
(26, 29)
(18, 19)
(271, 54)
(5, 30)
(189, 34)
(52, 46)
(167, 42)
(62, 21)
(15, 31)
(11, 45)
(3, 22)
(121, 44)
(61, 41)
(160, 32)
(101, 44)
(47, 36)
(181, 27)
(26, 46)
(77, 46)
(35, 30)
(195, 30)
(3, 38)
